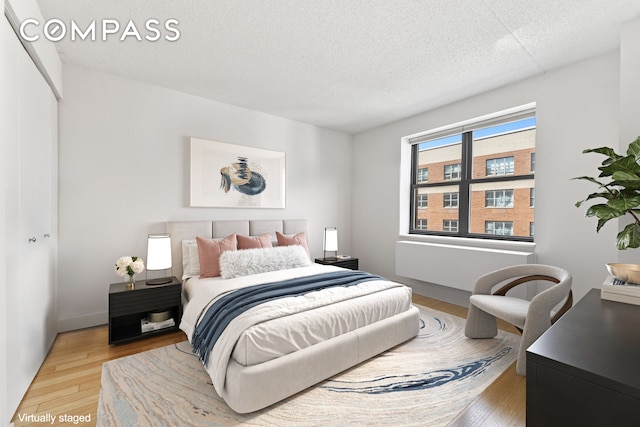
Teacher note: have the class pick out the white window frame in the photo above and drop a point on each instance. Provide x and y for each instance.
(452, 172)
(408, 191)
(423, 175)
(499, 199)
(449, 226)
(423, 201)
(500, 166)
(449, 197)
(501, 226)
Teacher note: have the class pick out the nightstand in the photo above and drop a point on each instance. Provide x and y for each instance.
(129, 306)
(351, 263)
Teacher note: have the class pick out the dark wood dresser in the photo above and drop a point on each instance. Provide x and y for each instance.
(585, 370)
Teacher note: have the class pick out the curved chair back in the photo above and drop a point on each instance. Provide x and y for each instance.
(559, 292)
(531, 272)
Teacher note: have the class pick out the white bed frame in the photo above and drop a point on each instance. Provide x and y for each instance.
(250, 388)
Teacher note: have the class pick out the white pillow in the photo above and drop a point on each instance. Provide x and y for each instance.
(190, 259)
(253, 261)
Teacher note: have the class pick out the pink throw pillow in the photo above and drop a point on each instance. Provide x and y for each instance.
(294, 239)
(209, 252)
(254, 242)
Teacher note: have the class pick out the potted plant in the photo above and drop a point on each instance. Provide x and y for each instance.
(619, 185)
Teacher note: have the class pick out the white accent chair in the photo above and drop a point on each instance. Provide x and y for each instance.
(532, 318)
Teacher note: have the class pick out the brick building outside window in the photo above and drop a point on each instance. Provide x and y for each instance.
(490, 192)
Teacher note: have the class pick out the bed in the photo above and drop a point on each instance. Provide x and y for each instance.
(279, 347)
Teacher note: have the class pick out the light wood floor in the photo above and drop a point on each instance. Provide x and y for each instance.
(503, 403)
(69, 380)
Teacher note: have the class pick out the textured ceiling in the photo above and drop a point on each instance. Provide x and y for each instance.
(348, 65)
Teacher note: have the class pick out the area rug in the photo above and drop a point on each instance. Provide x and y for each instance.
(425, 381)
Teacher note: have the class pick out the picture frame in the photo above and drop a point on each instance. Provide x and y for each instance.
(235, 176)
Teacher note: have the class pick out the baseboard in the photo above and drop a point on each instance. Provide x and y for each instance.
(441, 293)
(81, 322)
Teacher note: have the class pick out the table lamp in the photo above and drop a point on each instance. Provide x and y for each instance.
(330, 241)
(159, 256)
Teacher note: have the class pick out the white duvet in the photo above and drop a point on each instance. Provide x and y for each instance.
(286, 325)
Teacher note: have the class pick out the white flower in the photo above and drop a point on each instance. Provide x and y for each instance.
(137, 266)
(127, 266)
(123, 262)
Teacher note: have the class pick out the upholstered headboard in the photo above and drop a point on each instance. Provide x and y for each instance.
(185, 230)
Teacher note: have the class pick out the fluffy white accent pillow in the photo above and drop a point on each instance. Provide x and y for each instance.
(254, 261)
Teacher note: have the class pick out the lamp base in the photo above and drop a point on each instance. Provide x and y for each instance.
(161, 281)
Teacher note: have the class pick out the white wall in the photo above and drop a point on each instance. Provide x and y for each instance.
(577, 108)
(629, 82)
(124, 171)
(629, 95)
(5, 153)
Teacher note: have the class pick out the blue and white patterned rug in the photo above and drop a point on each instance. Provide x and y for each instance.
(425, 381)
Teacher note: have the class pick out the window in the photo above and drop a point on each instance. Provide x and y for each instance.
(452, 172)
(531, 229)
(450, 225)
(498, 199)
(480, 178)
(532, 197)
(421, 224)
(451, 200)
(500, 228)
(423, 175)
(501, 166)
(423, 201)
(533, 162)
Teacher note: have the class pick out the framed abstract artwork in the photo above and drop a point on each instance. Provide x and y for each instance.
(235, 176)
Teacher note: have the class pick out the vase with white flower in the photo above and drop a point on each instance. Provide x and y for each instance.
(129, 266)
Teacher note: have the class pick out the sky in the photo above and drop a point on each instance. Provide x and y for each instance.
(481, 133)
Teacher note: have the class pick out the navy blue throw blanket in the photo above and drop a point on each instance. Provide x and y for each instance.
(226, 308)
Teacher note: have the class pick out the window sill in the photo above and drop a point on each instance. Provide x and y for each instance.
(470, 242)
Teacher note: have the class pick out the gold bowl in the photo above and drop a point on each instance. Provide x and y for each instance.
(630, 273)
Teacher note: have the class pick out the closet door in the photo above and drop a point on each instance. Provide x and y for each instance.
(31, 193)
(36, 228)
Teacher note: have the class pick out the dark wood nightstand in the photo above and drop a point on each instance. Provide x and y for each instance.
(129, 306)
(351, 263)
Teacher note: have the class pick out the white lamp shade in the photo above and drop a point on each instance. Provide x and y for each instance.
(331, 239)
(158, 252)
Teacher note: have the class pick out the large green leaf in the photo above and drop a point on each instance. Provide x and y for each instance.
(625, 176)
(601, 222)
(590, 179)
(604, 212)
(625, 164)
(609, 152)
(624, 203)
(634, 149)
(629, 237)
(633, 185)
(603, 194)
